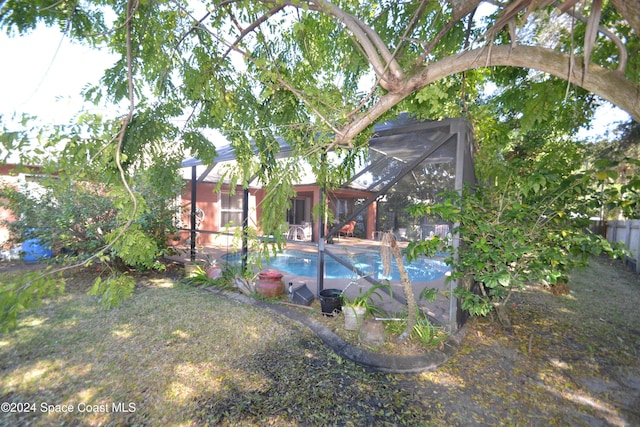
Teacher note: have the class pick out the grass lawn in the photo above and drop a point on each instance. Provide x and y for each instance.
(174, 355)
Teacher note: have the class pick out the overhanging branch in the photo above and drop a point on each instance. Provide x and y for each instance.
(608, 84)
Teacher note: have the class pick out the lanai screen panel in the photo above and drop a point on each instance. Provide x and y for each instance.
(379, 170)
(409, 161)
(424, 183)
(397, 146)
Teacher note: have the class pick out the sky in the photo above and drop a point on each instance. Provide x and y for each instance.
(606, 119)
(43, 74)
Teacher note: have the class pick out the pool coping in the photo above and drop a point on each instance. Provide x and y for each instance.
(398, 364)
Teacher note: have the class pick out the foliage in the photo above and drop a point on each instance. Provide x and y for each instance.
(225, 282)
(619, 185)
(78, 218)
(113, 290)
(198, 278)
(619, 177)
(319, 77)
(429, 294)
(528, 227)
(158, 187)
(70, 218)
(423, 333)
(134, 247)
(23, 292)
(366, 299)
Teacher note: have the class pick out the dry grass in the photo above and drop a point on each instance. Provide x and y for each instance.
(185, 357)
(161, 351)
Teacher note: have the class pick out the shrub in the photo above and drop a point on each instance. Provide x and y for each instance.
(71, 219)
(77, 219)
(527, 229)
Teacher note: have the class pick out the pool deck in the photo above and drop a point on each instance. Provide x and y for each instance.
(437, 310)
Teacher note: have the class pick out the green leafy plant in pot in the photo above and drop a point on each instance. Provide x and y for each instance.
(193, 268)
(357, 308)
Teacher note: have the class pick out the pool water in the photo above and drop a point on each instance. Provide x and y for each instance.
(299, 263)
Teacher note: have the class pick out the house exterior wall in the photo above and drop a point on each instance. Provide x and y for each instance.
(8, 176)
(5, 216)
(372, 215)
(209, 200)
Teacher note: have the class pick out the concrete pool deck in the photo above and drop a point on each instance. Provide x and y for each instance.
(439, 310)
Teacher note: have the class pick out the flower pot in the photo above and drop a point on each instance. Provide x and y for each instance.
(331, 301)
(270, 284)
(353, 317)
(214, 272)
(191, 267)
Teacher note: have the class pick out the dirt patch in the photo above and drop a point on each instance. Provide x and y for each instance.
(18, 266)
(560, 289)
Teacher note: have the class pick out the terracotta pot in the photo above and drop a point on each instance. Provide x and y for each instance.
(214, 272)
(270, 284)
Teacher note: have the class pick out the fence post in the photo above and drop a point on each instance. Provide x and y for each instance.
(637, 245)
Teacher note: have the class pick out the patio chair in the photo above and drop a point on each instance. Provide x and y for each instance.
(442, 230)
(302, 233)
(296, 233)
(347, 229)
(308, 231)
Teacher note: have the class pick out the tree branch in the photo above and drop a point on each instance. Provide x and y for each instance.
(375, 49)
(279, 79)
(624, 56)
(369, 40)
(429, 46)
(255, 24)
(610, 85)
(131, 8)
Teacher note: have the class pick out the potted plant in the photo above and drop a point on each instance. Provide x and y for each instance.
(357, 308)
(212, 268)
(192, 268)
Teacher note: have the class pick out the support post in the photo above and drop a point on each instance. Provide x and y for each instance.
(321, 247)
(245, 228)
(193, 213)
(322, 215)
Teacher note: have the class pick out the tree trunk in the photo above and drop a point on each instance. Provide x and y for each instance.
(503, 317)
(412, 307)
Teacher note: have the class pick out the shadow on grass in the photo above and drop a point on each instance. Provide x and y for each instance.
(184, 356)
(305, 384)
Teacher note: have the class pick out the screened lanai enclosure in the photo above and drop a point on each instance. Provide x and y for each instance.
(407, 161)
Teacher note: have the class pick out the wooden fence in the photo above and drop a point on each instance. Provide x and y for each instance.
(627, 232)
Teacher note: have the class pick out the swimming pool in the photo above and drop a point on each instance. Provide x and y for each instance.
(299, 263)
